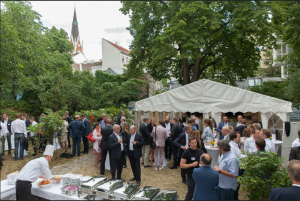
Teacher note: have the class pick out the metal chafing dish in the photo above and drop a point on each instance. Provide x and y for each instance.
(166, 195)
(106, 189)
(126, 192)
(88, 186)
(146, 193)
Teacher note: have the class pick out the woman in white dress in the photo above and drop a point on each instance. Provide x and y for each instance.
(96, 145)
(207, 133)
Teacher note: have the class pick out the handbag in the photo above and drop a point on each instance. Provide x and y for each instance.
(154, 143)
(90, 137)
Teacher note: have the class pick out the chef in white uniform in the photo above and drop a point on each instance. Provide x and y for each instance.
(34, 169)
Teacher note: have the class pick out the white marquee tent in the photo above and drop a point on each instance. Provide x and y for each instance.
(212, 98)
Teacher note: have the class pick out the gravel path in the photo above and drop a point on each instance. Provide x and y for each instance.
(74, 165)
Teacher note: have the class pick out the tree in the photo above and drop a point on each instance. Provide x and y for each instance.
(272, 88)
(189, 40)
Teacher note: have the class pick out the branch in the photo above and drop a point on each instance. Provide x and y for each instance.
(214, 44)
(211, 63)
(163, 2)
(216, 30)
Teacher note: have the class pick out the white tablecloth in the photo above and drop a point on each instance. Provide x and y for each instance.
(56, 143)
(52, 192)
(12, 140)
(277, 143)
(214, 153)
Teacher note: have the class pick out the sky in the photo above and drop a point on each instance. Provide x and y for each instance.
(96, 20)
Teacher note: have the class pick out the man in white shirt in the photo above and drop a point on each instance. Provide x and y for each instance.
(18, 129)
(266, 134)
(236, 124)
(296, 142)
(4, 132)
(250, 142)
(225, 133)
(234, 148)
(32, 135)
(34, 169)
(7, 122)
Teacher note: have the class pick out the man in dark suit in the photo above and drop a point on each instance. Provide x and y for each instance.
(7, 122)
(146, 147)
(69, 121)
(239, 122)
(104, 144)
(292, 193)
(76, 127)
(182, 145)
(135, 142)
(241, 127)
(295, 154)
(168, 142)
(117, 152)
(195, 119)
(27, 122)
(222, 124)
(176, 131)
(85, 133)
(119, 117)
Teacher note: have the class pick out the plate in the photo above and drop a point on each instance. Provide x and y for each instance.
(43, 186)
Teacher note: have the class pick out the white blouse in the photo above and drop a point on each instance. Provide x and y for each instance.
(95, 144)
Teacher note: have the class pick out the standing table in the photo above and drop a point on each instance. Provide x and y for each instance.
(277, 143)
(214, 153)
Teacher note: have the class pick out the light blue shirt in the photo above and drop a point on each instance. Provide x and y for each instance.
(229, 163)
(118, 136)
(103, 124)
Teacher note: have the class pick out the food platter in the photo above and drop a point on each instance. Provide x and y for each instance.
(44, 183)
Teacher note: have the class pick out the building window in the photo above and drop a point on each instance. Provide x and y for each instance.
(123, 59)
(254, 82)
(281, 50)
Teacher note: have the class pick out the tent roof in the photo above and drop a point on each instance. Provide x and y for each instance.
(208, 96)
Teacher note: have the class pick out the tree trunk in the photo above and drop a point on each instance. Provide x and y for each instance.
(196, 71)
(185, 69)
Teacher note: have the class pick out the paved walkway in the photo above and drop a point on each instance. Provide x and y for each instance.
(74, 165)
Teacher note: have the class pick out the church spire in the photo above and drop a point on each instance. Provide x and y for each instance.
(75, 38)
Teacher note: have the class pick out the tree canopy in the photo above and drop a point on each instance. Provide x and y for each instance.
(189, 40)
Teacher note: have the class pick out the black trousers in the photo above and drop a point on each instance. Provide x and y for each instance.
(23, 190)
(117, 164)
(168, 148)
(236, 193)
(43, 143)
(103, 159)
(69, 144)
(85, 144)
(135, 165)
(175, 159)
(191, 186)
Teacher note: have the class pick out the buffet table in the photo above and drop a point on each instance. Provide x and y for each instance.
(53, 192)
(214, 153)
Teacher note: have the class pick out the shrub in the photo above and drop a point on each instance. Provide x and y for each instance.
(262, 173)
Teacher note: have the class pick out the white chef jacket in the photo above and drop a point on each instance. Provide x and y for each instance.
(18, 126)
(296, 143)
(4, 130)
(234, 148)
(34, 169)
(250, 145)
(269, 145)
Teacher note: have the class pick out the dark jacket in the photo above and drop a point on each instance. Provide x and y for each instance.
(124, 137)
(171, 125)
(240, 129)
(118, 120)
(76, 127)
(175, 132)
(144, 131)
(106, 132)
(295, 154)
(27, 123)
(292, 193)
(150, 127)
(8, 124)
(115, 146)
(206, 179)
(180, 141)
(69, 120)
(137, 150)
(87, 130)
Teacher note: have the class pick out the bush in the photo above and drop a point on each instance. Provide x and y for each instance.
(262, 173)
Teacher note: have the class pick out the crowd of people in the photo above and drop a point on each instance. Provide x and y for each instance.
(184, 141)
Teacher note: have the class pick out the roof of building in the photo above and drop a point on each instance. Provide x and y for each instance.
(87, 66)
(119, 47)
(76, 66)
(117, 71)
